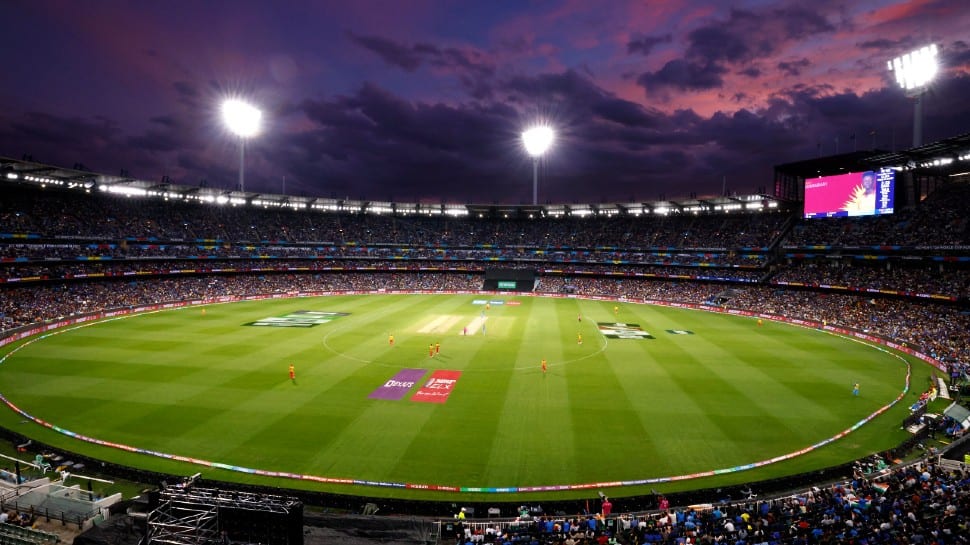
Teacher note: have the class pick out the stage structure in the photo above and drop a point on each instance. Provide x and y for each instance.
(190, 515)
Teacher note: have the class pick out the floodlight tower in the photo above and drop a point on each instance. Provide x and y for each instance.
(914, 72)
(537, 141)
(243, 120)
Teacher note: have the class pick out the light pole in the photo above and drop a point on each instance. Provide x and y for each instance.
(914, 72)
(243, 120)
(537, 140)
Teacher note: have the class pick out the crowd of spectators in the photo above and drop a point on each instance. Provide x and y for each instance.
(939, 221)
(951, 280)
(43, 271)
(63, 251)
(105, 217)
(941, 330)
(21, 306)
(923, 503)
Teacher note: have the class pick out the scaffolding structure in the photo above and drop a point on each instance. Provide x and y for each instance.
(190, 515)
(177, 522)
(249, 501)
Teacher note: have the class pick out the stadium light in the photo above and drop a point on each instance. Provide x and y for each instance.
(244, 120)
(537, 141)
(914, 71)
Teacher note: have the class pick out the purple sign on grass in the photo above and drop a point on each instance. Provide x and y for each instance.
(399, 385)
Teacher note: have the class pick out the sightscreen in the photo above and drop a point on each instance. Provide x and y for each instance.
(854, 194)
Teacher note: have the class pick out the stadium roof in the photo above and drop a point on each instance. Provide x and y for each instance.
(20, 171)
(942, 157)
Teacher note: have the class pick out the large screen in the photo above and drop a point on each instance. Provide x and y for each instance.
(854, 194)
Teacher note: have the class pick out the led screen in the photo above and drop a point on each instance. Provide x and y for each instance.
(854, 194)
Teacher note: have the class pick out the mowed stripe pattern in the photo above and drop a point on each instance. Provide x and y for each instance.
(204, 385)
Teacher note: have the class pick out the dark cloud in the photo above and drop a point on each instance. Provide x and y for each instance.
(411, 57)
(373, 139)
(957, 56)
(186, 93)
(392, 53)
(750, 71)
(164, 135)
(746, 36)
(716, 43)
(165, 120)
(884, 44)
(471, 67)
(624, 112)
(61, 140)
(643, 45)
(436, 109)
(685, 75)
(795, 67)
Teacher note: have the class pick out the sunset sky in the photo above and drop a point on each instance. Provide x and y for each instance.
(424, 100)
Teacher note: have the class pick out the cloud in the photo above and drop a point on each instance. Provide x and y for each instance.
(393, 53)
(884, 44)
(165, 134)
(750, 72)
(472, 67)
(795, 67)
(748, 35)
(412, 57)
(366, 142)
(643, 45)
(744, 37)
(58, 139)
(685, 75)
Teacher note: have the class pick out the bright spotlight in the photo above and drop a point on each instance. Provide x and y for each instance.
(242, 118)
(537, 140)
(915, 69)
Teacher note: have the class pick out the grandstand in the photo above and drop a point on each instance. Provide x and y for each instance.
(76, 243)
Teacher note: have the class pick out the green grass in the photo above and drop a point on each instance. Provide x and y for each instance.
(206, 386)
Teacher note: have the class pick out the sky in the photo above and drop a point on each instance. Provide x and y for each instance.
(425, 100)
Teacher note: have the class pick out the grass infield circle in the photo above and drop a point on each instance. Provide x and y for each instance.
(651, 395)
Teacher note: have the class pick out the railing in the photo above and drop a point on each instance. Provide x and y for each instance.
(47, 514)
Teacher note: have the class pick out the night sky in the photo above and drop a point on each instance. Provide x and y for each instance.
(424, 100)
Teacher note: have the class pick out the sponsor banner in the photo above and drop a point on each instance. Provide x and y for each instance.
(399, 385)
(438, 387)
(620, 330)
(300, 318)
(514, 303)
(679, 332)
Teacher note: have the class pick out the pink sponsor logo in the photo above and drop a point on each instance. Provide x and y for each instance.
(438, 387)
